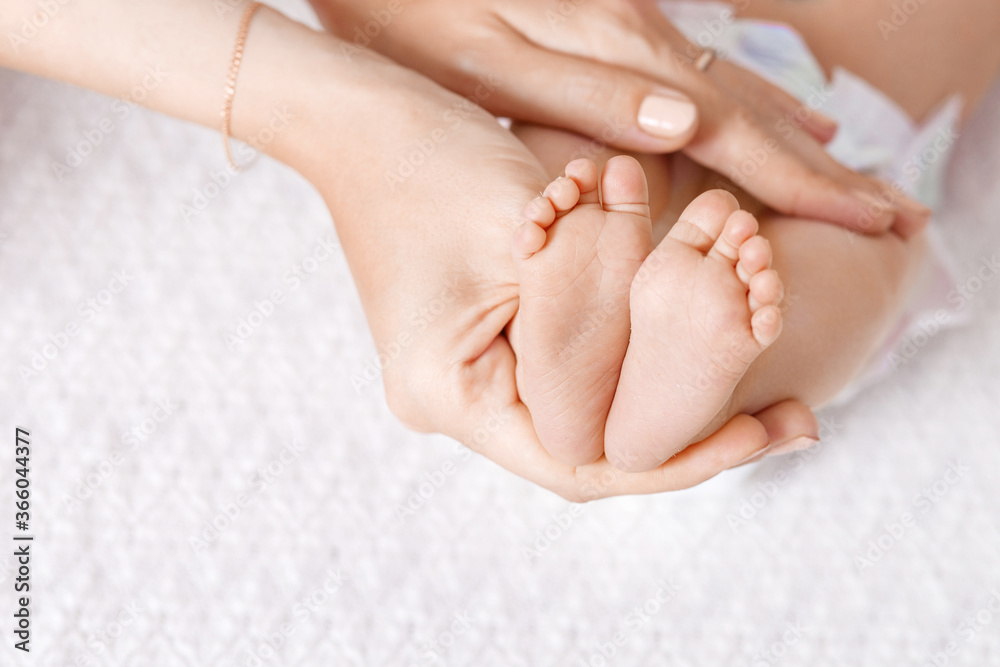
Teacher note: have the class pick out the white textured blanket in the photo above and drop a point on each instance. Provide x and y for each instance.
(208, 488)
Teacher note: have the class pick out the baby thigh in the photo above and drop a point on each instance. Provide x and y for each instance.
(843, 294)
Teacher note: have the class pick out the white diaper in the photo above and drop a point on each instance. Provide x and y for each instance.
(875, 137)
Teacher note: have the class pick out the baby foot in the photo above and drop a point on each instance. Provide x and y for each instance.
(576, 255)
(704, 306)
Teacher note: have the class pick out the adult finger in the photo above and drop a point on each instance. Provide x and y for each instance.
(910, 215)
(782, 180)
(613, 105)
(791, 114)
(676, 62)
(768, 121)
(789, 425)
(516, 448)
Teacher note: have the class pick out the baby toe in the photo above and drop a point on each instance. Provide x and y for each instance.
(754, 256)
(766, 289)
(563, 193)
(702, 221)
(584, 173)
(623, 186)
(766, 325)
(528, 239)
(540, 211)
(740, 227)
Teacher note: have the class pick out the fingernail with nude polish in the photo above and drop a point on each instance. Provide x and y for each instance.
(873, 202)
(756, 456)
(667, 115)
(824, 128)
(915, 208)
(875, 208)
(823, 119)
(792, 445)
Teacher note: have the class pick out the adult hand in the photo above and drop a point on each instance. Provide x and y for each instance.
(426, 190)
(620, 72)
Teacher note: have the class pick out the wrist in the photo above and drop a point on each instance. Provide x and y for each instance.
(288, 74)
(175, 58)
(309, 99)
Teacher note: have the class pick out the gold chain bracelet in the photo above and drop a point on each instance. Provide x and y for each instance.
(234, 71)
